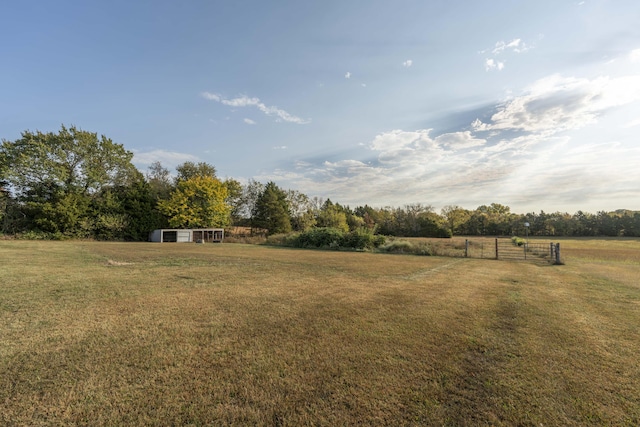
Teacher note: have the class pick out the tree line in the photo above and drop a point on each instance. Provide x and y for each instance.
(76, 184)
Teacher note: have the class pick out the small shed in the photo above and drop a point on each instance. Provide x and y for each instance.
(200, 235)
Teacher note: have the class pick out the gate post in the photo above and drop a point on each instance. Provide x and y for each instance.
(557, 253)
(497, 249)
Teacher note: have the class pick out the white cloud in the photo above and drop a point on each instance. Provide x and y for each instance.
(211, 96)
(408, 63)
(459, 168)
(556, 104)
(515, 45)
(634, 56)
(363, 84)
(492, 64)
(245, 101)
(249, 121)
(502, 48)
(633, 123)
(347, 75)
(518, 157)
(459, 140)
(280, 147)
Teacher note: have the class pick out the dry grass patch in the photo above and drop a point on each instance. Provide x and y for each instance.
(182, 334)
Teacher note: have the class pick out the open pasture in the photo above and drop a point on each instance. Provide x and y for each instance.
(181, 334)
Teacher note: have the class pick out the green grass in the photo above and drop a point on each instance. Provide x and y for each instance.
(179, 334)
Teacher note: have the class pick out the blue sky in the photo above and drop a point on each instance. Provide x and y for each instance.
(532, 104)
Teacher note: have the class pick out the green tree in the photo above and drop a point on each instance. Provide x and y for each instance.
(251, 192)
(5, 203)
(74, 160)
(126, 212)
(197, 202)
(189, 170)
(301, 209)
(54, 176)
(159, 179)
(333, 216)
(455, 217)
(369, 217)
(234, 199)
(272, 210)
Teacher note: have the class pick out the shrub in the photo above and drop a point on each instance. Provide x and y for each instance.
(324, 237)
(283, 239)
(362, 239)
(398, 247)
(518, 241)
(329, 238)
(406, 247)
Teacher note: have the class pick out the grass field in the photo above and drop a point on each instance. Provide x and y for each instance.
(182, 334)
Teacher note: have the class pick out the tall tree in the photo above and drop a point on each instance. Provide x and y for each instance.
(455, 217)
(126, 212)
(301, 208)
(234, 199)
(251, 192)
(73, 160)
(332, 215)
(272, 210)
(197, 202)
(189, 170)
(54, 176)
(159, 179)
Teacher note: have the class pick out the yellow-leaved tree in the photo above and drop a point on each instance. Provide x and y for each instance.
(197, 202)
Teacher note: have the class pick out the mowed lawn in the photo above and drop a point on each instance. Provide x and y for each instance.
(98, 333)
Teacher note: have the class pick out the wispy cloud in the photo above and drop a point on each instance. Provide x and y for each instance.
(408, 63)
(249, 121)
(515, 45)
(502, 47)
(347, 75)
(245, 101)
(557, 103)
(634, 56)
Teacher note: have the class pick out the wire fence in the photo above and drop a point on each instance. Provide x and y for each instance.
(506, 249)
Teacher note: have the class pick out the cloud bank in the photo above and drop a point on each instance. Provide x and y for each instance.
(522, 153)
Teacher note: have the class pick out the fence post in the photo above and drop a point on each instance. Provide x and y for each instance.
(466, 248)
(557, 253)
(497, 249)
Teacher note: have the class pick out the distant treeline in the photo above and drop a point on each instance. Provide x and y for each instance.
(74, 184)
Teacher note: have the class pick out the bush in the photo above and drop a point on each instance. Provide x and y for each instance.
(362, 239)
(324, 237)
(398, 247)
(518, 241)
(406, 247)
(283, 239)
(444, 233)
(328, 238)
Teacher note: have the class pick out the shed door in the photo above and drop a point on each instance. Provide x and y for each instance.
(184, 236)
